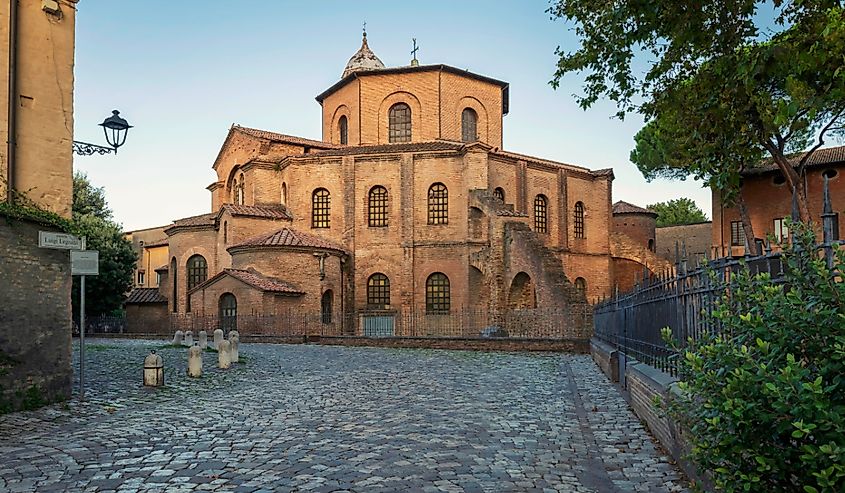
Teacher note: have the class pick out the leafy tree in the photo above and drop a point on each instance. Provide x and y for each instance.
(105, 292)
(678, 211)
(771, 89)
(763, 398)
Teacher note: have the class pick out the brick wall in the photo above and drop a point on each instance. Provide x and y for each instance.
(697, 237)
(147, 318)
(638, 227)
(37, 339)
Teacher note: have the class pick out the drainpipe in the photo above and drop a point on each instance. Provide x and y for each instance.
(12, 127)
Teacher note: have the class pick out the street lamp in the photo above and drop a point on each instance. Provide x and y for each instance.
(115, 129)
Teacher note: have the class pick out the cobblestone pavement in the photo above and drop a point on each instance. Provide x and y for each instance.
(318, 418)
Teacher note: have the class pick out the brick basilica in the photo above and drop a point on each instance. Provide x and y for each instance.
(408, 202)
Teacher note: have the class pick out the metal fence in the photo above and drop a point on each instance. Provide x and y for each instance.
(101, 324)
(541, 323)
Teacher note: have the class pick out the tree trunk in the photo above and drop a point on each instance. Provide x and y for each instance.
(747, 227)
(794, 180)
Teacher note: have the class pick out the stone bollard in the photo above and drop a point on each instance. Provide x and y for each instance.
(189, 339)
(203, 340)
(194, 361)
(235, 341)
(177, 338)
(153, 370)
(218, 338)
(224, 360)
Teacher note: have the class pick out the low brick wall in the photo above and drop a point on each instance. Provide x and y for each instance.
(504, 344)
(606, 358)
(35, 321)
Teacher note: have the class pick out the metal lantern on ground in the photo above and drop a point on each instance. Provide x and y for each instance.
(153, 370)
(115, 129)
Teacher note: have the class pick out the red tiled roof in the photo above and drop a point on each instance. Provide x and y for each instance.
(163, 268)
(434, 145)
(267, 211)
(622, 207)
(201, 220)
(287, 139)
(157, 243)
(287, 237)
(145, 295)
(255, 279)
(516, 155)
(820, 157)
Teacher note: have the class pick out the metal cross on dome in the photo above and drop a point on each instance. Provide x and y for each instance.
(416, 48)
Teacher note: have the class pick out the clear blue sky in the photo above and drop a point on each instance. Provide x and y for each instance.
(183, 71)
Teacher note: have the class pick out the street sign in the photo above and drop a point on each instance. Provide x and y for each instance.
(59, 241)
(84, 262)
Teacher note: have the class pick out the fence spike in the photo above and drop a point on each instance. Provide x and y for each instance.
(677, 253)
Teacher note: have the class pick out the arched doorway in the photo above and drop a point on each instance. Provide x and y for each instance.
(326, 307)
(228, 307)
(521, 294)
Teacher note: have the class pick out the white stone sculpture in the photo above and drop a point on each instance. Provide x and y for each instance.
(203, 340)
(194, 361)
(218, 338)
(224, 355)
(177, 338)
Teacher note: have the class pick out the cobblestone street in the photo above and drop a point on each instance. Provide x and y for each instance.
(320, 418)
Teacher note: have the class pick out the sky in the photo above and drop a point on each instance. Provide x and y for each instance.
(182, 72)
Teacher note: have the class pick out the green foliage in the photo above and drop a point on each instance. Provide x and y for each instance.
(104, 293)
(678, 211)
(22, 208)
(764, 400)
(721, 89)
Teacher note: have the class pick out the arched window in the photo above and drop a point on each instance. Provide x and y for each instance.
(437, 294)
(239, 198)
(225, 232)
(284, 193)
(320, 208)
(438, 204)
(469, 125)
(399, 123)
(377, 207)
(579, 220)
(651, 244)
(541, 219)
(175, 280)
(499, 194)
(326, 307)
(197, 271)
(378, 291)
(581, 285)
(343, 130)
(228, 309)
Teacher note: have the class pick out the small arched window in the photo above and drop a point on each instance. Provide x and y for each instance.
(438, 204)
(197, 271)
(651, 244)
(326, 307)
(469, 125)
(579, 220)
(175, 280)
(343, 130)
(239, 199)
(399, 123)
(499, 194)
(378, 291)
(541, 219)
(437, 295)
(320, 208)
(225, 232)
(377, 207)
(228, 309)
(581, 285)
(284, 193)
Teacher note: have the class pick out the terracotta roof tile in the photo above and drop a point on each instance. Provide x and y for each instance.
(145, 295)
(287, 237)
(820, 157)
(267, 211)
(262, 282)
(163, 268)
(201, 220)
(157, 243)
(287, 139)
(434, 145)
(622, 207)
(509, 213)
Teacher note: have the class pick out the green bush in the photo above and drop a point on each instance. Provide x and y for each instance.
(765, 400)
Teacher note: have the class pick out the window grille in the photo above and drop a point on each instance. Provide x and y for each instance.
(469, 125)
(438, 204)
(320, 208)
(197, 271)
(737, 234)
(399, 123)
(378, 291)
(579, 220)
(326, 307)
(437, 296)
(343, 129)
(541, 223)
(377, 207)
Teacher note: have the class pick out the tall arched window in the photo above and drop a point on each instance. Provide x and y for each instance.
(541, 218)
(579, 220)
(320, 208)
(343, 130)
(378, 291)
(326, 307)
(197, 271)
(399, 123)
(581, 285)
(228, 309)
(175, 280)
(377, 207)
(469, 125)
(499, 194)
(239, 191)
(438, 204)
(284, 193)
(225, 232)
(437, 296)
